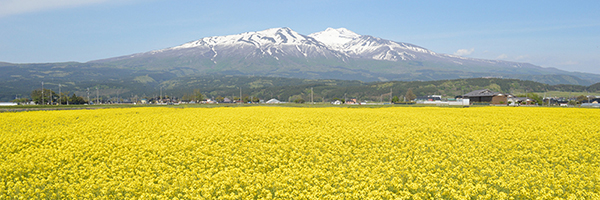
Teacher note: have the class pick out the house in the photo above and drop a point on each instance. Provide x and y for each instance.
(438, 101)
(226, 100)
(211, 101)
(524, 100)
(429, 98)
(594, 100)
(272, 101)
(486, 96)
(336, 102)
(556, 101)
(591, 103)
(352, 102)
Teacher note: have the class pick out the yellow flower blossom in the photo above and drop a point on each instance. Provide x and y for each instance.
(301, 153)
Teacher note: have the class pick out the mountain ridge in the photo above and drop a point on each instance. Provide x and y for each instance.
(282, 52)
(329, 54)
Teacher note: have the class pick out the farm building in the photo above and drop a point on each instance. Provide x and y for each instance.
(486, 96)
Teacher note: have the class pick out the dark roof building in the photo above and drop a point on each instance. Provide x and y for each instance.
(486, 96)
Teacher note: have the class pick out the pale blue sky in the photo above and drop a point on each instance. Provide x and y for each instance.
(561, 34)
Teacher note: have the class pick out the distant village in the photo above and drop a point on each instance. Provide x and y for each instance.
(489, 97)
(476, 97)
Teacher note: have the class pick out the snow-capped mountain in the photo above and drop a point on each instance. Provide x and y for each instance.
(335, 38)
(330, 54)
(275, 43)
(369, 47)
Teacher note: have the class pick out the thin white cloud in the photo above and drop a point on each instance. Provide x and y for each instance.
(502, 56)
(464, 52)
(13, 7)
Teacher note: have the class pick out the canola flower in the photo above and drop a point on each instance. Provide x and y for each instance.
(301, 153)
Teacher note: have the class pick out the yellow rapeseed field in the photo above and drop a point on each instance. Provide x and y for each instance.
(301, 153)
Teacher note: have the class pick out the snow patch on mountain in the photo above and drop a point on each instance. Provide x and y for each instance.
(365, 46)
(335, 38)
(259, 39)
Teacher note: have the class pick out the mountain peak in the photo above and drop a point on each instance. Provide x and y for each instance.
(273, 31)
(335, 37)
(270, 36)
(342, 31)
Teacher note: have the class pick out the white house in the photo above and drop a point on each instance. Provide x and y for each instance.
(272, 101)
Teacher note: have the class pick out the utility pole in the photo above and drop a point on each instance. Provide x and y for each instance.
(160, 94)
(59, 95)
(588, 96)
(42, 92)
(88, 95)
(545, 99)
(311, 96)
(526, 97)
(391, 95)
(241, 95)
(97, 99)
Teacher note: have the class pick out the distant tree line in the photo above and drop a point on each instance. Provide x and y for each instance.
(47, 96)
(219, 87)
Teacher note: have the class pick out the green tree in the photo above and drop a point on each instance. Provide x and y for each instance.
(299, 100)
(20, 100)
(76, 100)
(534, 97)
(63, 98)
(395, 99)
(581, 98)
(36, 96)
(410, 95)
(198, 95)
(187, 97)
(246, 99)
(341, 100)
